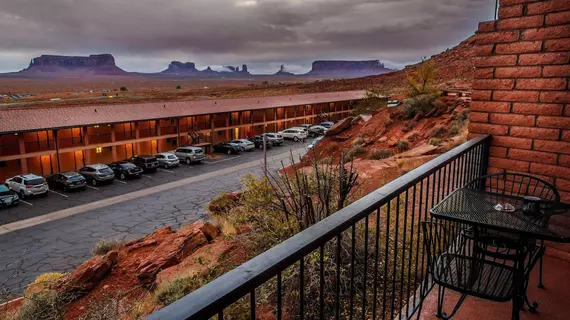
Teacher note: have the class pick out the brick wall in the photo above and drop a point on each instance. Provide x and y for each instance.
(521, 90)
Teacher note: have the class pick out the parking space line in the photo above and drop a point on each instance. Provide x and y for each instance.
(146, 176)
(120, 181)
(212, 162)
(26, 202)
(60, 194)
(164, 170)
(92, 187)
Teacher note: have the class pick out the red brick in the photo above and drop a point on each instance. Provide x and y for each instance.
(564, 196)
(484, 73)
(508, 142)
(478, 117)
(495, 61)
(510, 12)
(497, 84)
(535, 133)
(497, 37)
(538, 108)
(555, 96)
(491, 170)
(533, 156)
(488, 106)
(558, 18)
(544, 58)
(564, 160)
(512, 119)
(518, 47)
(546, 33)
(522, 22)
(486, 26)
(518, 72)
(516, 96)
(498, 152)
(548, 6)
(542, 84)
(562, 184)
(521, 166)
(557, 44)
(478, 95)
(552, 146)
(549, 170)
(484, 50)
(553, 122)
(556, 71)
(493, 129)
(566, 135)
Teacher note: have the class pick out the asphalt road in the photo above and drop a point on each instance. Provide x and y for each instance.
(62, 244)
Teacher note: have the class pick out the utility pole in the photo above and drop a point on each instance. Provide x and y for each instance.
(265, 154)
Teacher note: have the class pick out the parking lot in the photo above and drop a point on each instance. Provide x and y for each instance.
(58, 200)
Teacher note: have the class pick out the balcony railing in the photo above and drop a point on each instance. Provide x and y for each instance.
(70, 142)
(168, 130)
(100, 138)
(145, 133)
(125, 135)
(387, 279)
(9, 149)
(35, 146)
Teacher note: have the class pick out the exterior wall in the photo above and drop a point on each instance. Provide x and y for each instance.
(521, 92)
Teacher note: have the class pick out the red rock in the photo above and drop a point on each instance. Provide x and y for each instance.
(90, 272)
(340, 126)
(210, 231)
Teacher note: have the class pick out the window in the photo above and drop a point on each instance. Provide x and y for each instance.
(159, 156)
(98, 150)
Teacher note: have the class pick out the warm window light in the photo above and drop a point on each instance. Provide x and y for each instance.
(96, 126)
(98, 149)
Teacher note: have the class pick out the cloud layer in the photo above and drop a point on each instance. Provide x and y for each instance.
(145, 35)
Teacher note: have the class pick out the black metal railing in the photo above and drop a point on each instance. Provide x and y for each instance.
(366, 261)
(100, 138)
(125, 135)
(42, 145)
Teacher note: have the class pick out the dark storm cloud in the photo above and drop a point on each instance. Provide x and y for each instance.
(144, 35)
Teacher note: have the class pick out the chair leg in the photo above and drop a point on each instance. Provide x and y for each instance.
(516, 309)
(540, 285)
(440, 299)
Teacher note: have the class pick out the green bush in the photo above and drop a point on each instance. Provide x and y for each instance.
(434, 141)
(437, 132)
(422, 104)
(455, 128)
(403, 145)
(104, 246)
(377, 154)
(124, 89)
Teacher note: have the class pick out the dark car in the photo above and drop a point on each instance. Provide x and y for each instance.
(67, 181)
(146, 162)
(125, 169)
(258, 141)
(227, 147)
(8, 197)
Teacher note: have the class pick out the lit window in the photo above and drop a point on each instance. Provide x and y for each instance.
(98, 150)
(96, 126)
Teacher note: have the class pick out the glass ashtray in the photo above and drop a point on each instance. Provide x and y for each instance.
(504, 207)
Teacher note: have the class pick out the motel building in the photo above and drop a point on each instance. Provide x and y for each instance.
(57, 139)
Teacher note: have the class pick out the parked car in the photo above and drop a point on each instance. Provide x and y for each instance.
(190, 154)
(305, 125)
(124, 170)
(8, 197)
(258, 142)
(315, 141)
(227, 147)
(245, 144)
(67, 181)
(300, 128)
(28, 185)
(276, 139)
(317, 130)
(97, 173)
(167, 160)
(327, 124)
(295, 134)
(146, 162)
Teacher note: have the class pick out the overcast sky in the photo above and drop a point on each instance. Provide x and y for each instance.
(145, 35)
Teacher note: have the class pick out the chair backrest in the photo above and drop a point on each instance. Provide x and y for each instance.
(442, 237)
(515, 184)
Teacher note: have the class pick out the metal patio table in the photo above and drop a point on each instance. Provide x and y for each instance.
(475, 208)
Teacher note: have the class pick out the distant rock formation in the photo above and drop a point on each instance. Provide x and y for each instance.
(347, 69)
(283, 72)
(97, 64)
(181, 68)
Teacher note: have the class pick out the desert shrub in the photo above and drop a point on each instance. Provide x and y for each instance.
(422, 104)
(124, 89)
(403, 145)
(377, 154)
(224, 203)
(389, 122)
(374, 99)
(421, 80)
(358, 142)
(434, 141)
(45, 305)
(44, 282)
(455, 128)
(354, 151)
(410, 126)
(413, 136)
(463, 115)
(102, 247)
(178, 87)
(437, 132)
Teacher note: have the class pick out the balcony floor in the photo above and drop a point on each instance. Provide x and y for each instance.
(554, 299)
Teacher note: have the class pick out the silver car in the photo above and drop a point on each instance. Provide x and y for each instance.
(274, 138)
(167, 160)
(190, 154)
(245, 144)
(28, 185)
(97, 173)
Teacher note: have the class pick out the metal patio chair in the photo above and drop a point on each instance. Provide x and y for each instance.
(455, 263)
(518, 185)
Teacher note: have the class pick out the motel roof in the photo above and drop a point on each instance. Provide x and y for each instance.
(32, 119)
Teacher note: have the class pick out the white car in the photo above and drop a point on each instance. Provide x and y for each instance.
(167, 160)
(28, 185)
(295, 134)
(245, 144)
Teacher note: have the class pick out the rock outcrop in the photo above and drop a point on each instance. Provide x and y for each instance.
(88, 274)
(181, 68)
(50, 65)
(347, 69)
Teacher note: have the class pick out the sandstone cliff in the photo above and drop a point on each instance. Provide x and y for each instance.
(50, 65)
(347, 69)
